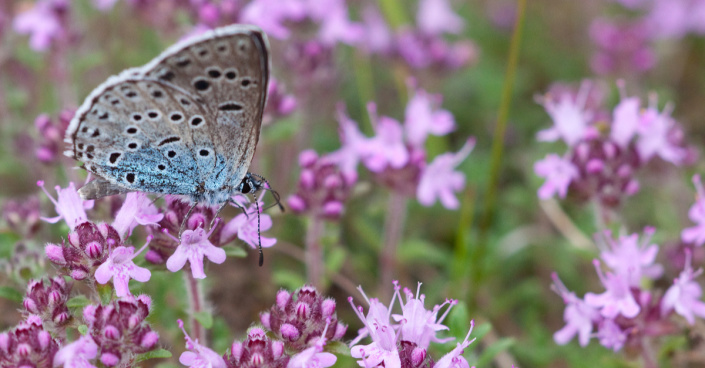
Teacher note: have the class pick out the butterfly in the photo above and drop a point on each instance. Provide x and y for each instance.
(187, 123)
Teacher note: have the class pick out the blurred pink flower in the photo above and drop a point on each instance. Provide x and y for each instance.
(617, 299)
(611, 335)
(632, 259)
(193, 246)
(423, 117)
(684, 295)
(439, 180)
(625, 121)
(455, 359)
(336, 25)
(378, 37)
(249, 226)
(677, 18)
(570, 117)
(655, 131)
(199, 356)
(559, 173)
(387, 148)
(622, 48)
(354, 145)
(104, 5)
(578, 316)
(696, 234)
(436, 17)
(42, 22)
(69, 206)
(120, 267)
(383, 349)
(270, 15)
(77, 354)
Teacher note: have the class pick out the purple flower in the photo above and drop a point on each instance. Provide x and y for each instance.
(194, 244)
(383, 349)
(27, 345)
(696, 234)
(22, 215)
(198, 355)
(249, 227)
(632, 259)
(611, 335)
(655, 132)
(69, 206)
(314, 357)
(623, 48)
(625, 121)
(335, 23)
(387, 148)
(49, 301)
(257, 351)
(120, 267)
(354, 145)
(419, 325)
(440, 181)
(559, 173)
(578, 316)
(271, 14)
(455, 359)
(42, 22)
(684, 295)
(378, 36)
(77, 354)
(436, 17)
(570, 117)
(137, 209)
(617, 299)
(423, 117)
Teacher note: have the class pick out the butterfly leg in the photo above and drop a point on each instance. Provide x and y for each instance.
(222, 206)
(183, 223)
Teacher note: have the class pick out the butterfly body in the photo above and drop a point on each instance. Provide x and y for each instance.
(187, 123)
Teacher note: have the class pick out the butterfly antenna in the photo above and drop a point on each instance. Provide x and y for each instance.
(259, 237)
(275, 194)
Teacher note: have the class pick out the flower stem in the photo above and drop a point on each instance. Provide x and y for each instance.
(196, 301)
(393, 227)
(314, 252)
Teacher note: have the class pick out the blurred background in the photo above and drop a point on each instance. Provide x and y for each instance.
(495, 252)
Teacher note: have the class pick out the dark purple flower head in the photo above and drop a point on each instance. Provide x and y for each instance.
(257, 351)
(622, 48)
(49, 301)
(299, 318)
(120, 330)
(87, 247)
(322, 189)
(413, 356)
(22, 216)
(28, 345)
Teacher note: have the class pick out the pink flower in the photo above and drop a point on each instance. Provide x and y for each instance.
(354, 145)
(383, 349)
(611, 335)
(77, 354)
(387, 148)
(455, 359)
(559, 173)
(41, 22)
(104, 5)
(419, 325)
(632, 259)
(69, 206)
(436, 17)
(684, 295)
(423, 117)
(378, 37)
(137, 209)
(314, 356)
(336, 25)
(696, 234)
(570, 117)
(655, 136)
(193, 245)
(198, 355)
(625, 121)
(578, 316)
(249, 226)
(120, 267)
(440, 181)
(617, 299)
(270, 15)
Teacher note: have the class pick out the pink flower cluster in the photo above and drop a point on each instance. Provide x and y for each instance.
(404, 342)
(626, 311)
(300, 324)
(605, 148)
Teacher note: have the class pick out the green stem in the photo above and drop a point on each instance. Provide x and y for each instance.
(498, 141)
(393, 227)
(196, 301)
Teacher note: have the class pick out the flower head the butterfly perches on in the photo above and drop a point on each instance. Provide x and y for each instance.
(187, 123)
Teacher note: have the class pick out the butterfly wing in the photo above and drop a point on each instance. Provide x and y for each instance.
(186, 123)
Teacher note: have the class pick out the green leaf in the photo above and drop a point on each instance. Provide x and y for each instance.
(78, 301)
(335, 259)
(83, 329)
(458, 321)
(418, 250)
(204, 318)
(105, 292)
(159, 353)
(283, 130)
(9, 293)
(287, 279)
(337, 348)
(491, 351)
(234, 251)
